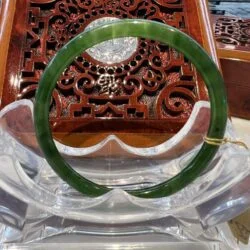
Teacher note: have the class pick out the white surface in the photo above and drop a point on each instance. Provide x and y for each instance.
(113, 51)
(242, 128)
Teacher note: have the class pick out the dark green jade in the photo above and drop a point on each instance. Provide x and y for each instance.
(132, 28)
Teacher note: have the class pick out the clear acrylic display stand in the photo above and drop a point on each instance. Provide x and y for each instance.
(39, 211)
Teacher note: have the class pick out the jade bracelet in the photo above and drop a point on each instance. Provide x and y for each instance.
(148, 30)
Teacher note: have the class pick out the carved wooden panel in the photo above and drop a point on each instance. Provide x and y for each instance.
(233, 41)
(151, 90)
(232, 31)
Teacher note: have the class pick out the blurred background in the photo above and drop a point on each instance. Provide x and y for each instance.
(231, 8)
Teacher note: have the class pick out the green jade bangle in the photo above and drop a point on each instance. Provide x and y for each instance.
(132, 28)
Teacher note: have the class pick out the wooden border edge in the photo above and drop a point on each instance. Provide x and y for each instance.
(7, 12)
(207, 30)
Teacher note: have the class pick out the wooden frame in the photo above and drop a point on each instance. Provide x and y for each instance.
(7, 11)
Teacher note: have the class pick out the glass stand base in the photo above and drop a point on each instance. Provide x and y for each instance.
(46, 231)
(39, 211)
(122, 246)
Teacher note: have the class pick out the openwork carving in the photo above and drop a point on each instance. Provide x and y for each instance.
(155, 83)
(233, 31)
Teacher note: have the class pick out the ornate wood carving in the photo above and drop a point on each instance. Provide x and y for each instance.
(232, 31)
(151, 91)
(233, 41)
